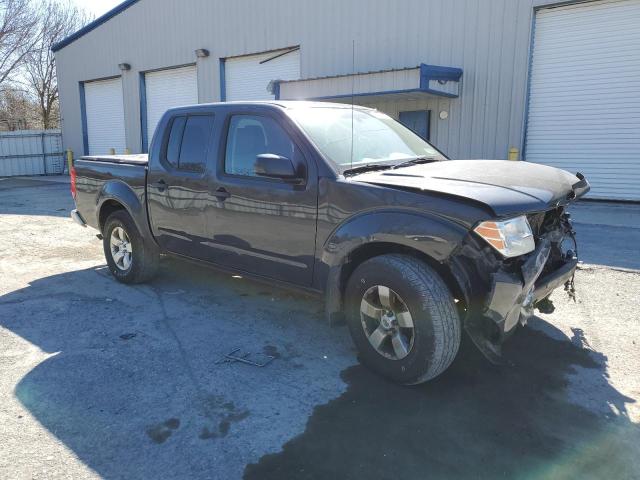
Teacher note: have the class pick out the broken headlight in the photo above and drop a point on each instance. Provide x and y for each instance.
(511, 237)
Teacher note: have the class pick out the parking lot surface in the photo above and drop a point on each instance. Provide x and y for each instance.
(99, 379)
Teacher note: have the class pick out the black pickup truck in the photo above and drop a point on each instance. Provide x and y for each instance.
(407, 246)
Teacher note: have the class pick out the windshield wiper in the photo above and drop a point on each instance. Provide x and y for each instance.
(366, 168)
(415, 161)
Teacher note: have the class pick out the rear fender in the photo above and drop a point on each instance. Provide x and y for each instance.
(119, 192)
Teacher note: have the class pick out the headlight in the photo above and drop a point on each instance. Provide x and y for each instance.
(511, 237)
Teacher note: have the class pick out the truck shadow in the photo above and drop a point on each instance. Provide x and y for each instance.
(475, 421)
(134, 389)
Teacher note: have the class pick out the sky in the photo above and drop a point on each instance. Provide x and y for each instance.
(97, 7)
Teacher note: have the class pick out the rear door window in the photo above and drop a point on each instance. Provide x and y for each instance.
(188, 142)
(175, 140)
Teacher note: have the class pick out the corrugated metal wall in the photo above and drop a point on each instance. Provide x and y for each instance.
(31, 152)
(488, 39)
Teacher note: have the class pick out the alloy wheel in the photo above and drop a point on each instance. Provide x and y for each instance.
(121, 248)
(387, 322)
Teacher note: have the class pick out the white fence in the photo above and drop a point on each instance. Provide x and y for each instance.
(31, 152)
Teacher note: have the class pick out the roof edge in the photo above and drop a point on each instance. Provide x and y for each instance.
(93, 25)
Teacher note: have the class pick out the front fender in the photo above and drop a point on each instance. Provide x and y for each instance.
(431, 235)
(132, 200)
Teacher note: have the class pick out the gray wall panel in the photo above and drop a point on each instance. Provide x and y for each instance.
(488, 39)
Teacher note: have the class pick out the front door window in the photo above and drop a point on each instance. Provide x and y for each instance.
(250, 136)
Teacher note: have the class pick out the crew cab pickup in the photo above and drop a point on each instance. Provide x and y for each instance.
(408, 247)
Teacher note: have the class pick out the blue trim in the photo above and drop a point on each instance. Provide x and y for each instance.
(223, 82)
(83, 117)
(435, 72)
(527, 96)
(143, 113)
(93, 25)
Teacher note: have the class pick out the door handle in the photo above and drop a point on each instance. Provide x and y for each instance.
(161, 185)
(221, 194)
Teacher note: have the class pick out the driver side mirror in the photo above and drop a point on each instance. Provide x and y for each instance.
(276, 166)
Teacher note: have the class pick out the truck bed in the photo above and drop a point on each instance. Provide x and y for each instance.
(103, 176)
(140, 159)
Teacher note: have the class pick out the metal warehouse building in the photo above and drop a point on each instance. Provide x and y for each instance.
(558, 81)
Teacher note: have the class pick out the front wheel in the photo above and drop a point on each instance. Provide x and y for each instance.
(130, 258)
(403, 318)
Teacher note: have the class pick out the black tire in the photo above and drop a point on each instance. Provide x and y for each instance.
(436, 323)
(145, 256)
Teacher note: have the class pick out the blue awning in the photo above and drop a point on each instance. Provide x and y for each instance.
(404, 83)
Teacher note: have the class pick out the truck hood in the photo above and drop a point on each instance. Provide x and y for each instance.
(506, 187)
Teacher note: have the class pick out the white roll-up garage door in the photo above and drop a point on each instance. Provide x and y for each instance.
(104, 107)
(584, 110)
(247, 77)
(167, 89)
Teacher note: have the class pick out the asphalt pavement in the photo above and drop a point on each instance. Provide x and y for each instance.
(103, 380)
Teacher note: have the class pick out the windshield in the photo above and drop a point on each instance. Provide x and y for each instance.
(377, 138)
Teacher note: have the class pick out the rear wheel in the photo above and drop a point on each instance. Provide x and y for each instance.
(130, 258)
(403, 318)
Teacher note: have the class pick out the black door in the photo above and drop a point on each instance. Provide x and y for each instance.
(261, 225)
(178, 185)
(418, 121)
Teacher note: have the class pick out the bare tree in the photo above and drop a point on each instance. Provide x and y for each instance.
(57, 20)
(18, 111)
(19, 33)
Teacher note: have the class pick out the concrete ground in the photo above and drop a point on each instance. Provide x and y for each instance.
(98, 379)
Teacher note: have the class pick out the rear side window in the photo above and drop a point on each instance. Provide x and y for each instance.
(188, 142)
(175, 139)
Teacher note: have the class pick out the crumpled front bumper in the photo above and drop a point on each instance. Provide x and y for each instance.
(513, 296)
(499, 300)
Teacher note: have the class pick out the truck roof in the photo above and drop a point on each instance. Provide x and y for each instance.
(279, 103)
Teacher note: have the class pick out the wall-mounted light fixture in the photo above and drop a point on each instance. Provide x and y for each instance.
(124, 66)
(202, 53)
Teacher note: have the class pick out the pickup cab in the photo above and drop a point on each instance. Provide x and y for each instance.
(407, 247)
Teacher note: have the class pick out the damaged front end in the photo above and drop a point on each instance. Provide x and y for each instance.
(502, 292)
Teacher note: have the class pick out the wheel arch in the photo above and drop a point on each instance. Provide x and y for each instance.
(427, 238)
(106, 209)
(117, 195)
